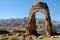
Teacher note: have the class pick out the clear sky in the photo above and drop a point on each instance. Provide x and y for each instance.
(21, 8)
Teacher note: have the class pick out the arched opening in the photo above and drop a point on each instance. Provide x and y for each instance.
(39, 15)
(41, 7)
(40, 22)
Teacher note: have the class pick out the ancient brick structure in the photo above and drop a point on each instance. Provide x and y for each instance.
(41, 7)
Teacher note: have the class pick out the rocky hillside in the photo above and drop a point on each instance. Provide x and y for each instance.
(18, 23)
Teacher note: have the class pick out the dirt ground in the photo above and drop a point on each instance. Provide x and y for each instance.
(21, 36)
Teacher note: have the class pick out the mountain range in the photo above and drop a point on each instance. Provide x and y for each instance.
(20, 23)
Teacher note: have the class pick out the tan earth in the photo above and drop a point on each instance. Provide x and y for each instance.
(22, 36)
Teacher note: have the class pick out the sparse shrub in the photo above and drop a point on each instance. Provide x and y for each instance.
(19, 31)
(54, 33)
(4, 32)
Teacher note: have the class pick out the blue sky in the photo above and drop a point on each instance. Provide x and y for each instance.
(21, 8)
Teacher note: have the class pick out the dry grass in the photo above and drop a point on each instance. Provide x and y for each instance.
(22, 36)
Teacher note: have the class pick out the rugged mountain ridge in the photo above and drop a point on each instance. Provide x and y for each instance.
(18, 23)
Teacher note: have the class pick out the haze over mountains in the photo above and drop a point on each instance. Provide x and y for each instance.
(19, 23)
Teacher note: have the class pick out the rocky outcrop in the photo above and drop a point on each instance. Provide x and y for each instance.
(41, 7)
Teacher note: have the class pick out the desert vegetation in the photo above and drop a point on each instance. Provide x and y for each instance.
(20, 35)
